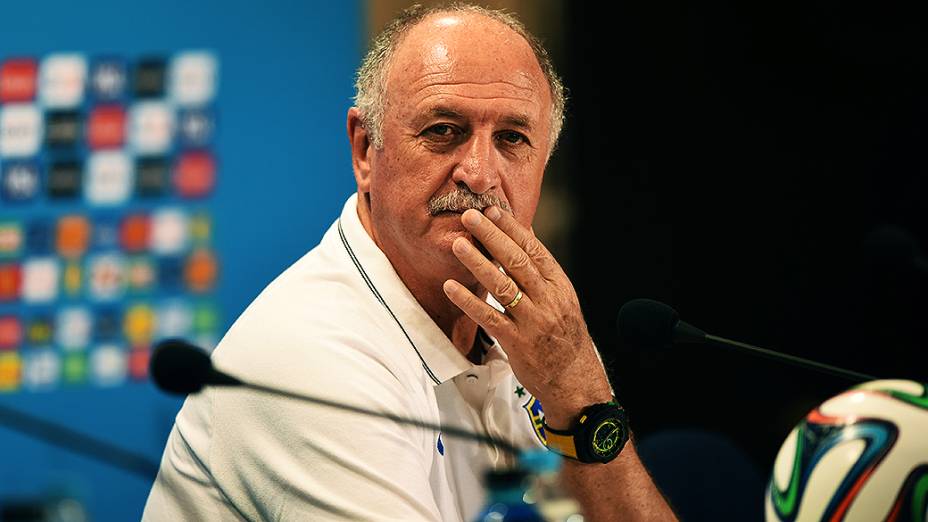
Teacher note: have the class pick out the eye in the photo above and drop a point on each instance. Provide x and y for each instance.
(513, 137)
(441, 130)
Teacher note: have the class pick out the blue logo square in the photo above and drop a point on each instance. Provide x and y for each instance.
(40, 237)
(107, 324)
(171, 273)
(197, 127)
(108, 79)
(19, 180)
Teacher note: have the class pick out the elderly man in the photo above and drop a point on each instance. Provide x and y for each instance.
(399, 310)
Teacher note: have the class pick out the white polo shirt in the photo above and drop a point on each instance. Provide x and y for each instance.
(340, 324)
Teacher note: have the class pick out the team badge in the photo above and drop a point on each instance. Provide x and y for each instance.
(537, 416)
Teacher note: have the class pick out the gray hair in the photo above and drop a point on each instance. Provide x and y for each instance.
(371, 79)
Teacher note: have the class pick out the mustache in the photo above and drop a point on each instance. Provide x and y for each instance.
(463, 199)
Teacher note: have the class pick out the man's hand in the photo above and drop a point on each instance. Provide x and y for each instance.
(544, 334)
(551, 353)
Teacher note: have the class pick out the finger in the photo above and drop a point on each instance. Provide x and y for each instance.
(525, 238)
(503, 288)
(505, 251)
(490, 319)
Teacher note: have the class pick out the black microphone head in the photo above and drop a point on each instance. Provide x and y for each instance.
(179, 367)
(647, 323)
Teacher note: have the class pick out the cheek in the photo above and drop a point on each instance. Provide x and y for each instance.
(400, 190)
(411, 177)
(523, 195)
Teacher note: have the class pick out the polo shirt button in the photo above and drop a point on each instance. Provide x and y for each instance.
(472, 378)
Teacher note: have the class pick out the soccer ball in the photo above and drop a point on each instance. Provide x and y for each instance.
(860, 456)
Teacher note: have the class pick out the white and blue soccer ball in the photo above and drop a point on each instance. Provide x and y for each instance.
(860, 456)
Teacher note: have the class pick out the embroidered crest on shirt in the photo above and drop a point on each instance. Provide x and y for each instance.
(536, 415)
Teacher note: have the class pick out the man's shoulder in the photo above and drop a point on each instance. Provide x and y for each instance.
(308, 321)
(314, 318)
(321, 290)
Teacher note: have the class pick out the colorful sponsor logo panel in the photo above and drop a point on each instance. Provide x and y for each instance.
(107, 168)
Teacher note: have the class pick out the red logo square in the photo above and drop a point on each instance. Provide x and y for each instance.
(201, 270)
(73, 235)
(195, 174)
(106, 127)
(18, 80)
(10, 279)
(138, 363)
(135, 232)
(11, 332)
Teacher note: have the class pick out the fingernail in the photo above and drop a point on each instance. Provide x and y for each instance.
(472, 218)
(448, 287)
(458, 246)
(493, 213)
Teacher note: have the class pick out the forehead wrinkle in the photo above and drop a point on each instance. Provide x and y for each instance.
(526, 86)
(514, 118)
(443, 78)
(445, 95)
(505, 91)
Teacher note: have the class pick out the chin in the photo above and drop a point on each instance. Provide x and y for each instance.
(461, 275)
(448, 265)
(446, 237)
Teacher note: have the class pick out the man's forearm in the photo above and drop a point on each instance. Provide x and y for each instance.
(620, 490)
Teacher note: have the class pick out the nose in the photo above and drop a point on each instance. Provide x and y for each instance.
(479, 166)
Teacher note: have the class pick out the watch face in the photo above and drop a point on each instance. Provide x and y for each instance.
(608, 437)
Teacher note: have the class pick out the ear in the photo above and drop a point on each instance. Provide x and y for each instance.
(361, 149)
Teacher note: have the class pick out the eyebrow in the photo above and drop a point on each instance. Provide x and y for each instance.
(443, 112)
(517, 120)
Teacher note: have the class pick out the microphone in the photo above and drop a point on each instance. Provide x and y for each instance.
(651, 324)
(180, 367)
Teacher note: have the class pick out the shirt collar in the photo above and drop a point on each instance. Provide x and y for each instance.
(439, 356)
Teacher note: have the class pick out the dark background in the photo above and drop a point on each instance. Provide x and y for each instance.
(761, 168)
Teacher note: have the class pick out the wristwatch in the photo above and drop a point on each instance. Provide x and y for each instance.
(598, 435)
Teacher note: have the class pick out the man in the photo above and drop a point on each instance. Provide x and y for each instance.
(458, 112)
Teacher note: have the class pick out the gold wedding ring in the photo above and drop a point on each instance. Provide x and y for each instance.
(515, 301)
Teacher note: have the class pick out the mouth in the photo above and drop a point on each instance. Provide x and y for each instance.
(448, 213)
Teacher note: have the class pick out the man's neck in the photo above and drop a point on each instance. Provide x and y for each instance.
(456, 325)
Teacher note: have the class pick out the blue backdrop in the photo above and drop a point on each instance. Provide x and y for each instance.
(285, 82)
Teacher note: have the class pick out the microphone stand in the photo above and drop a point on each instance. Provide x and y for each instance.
(178, 367)
(72, 440)
(791, 359)
(219, 378)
